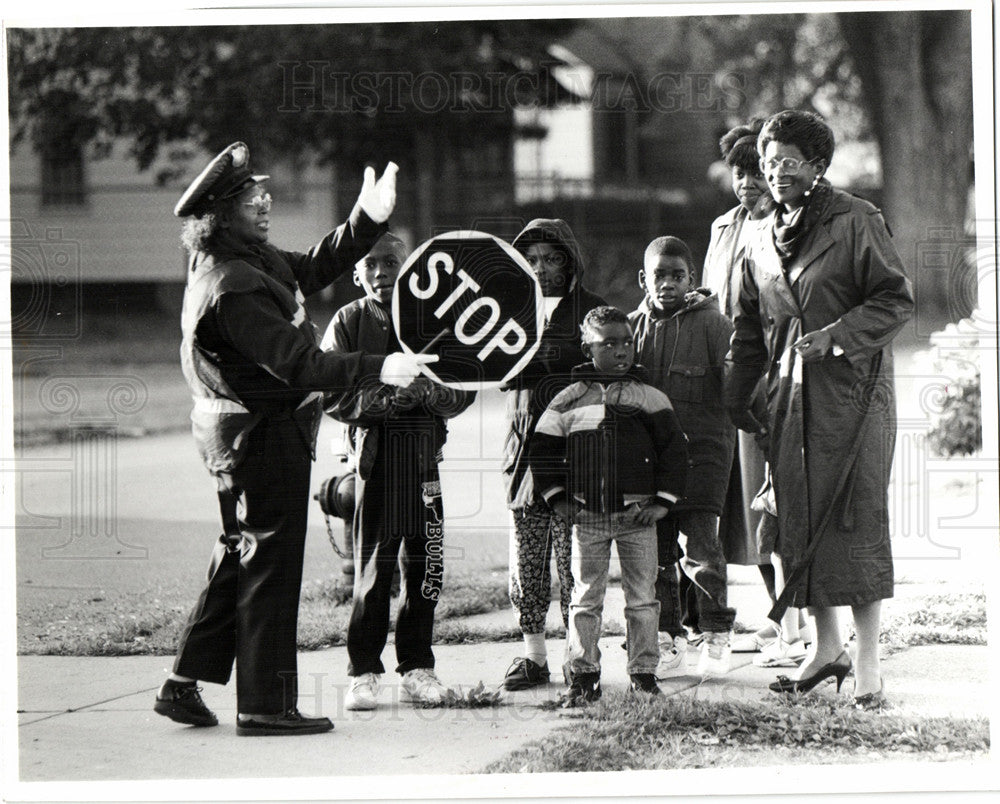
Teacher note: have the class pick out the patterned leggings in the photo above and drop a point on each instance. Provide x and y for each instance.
(536, 533)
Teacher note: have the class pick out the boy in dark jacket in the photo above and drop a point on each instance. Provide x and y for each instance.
(682, 338)
(396, 439)
(609, 457)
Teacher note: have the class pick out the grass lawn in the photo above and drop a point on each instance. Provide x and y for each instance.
(149, 623)
(637, 732)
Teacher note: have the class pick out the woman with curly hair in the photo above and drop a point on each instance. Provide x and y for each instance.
(822, 295)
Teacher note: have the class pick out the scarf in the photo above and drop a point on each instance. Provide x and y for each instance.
(788, 237)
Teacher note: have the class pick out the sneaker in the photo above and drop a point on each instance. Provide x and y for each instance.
(644, 682)
(755, 642)
(524, 674)
(715, 654)
(584, 688)
(181, 702)
(673, 658)
(695, 638)
(362, 695)
(781, 654)
(422, 686)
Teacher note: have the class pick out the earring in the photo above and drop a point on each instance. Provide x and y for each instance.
(808, 192)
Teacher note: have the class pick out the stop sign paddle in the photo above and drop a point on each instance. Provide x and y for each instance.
(472, 299)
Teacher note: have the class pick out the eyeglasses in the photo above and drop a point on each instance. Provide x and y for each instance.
(261, 203)
(788, 166)
(553, 259)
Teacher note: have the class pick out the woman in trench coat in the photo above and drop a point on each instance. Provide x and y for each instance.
(821, 298)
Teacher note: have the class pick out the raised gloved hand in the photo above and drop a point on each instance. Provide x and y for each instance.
(402, 369)
(377, 198)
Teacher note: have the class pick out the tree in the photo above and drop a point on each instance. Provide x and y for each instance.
(418, 93)
(900, 78)
(916, 68)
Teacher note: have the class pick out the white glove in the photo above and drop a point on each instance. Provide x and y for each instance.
(402, 369)
(378, 198)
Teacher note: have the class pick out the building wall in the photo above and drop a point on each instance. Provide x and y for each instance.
(126, 230)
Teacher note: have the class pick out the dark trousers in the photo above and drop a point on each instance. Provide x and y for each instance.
(667, 582)
(248, 610)
(398, 519)
(702, 602)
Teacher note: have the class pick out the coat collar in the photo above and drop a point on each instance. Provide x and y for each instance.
(820, 239)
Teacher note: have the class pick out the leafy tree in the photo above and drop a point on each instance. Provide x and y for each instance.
(346, 93)
(916, 69)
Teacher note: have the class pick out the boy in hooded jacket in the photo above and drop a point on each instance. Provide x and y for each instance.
(536, 533)
(682, 338)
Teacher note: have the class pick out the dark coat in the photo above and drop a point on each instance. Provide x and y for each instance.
(847, 279)
(365, 325)
(249, 350)
(549, 371)
(684, 354)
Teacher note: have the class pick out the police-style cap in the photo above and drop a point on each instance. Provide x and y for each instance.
(226, 175)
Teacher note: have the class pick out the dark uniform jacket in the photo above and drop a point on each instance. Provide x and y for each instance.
(249, 348)
(550, 369)
(365, 325)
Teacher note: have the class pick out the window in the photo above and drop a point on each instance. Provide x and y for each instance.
(63, 182)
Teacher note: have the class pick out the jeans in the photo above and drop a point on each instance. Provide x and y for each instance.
(591, 551)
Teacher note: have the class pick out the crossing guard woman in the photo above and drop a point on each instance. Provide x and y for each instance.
(250, 358)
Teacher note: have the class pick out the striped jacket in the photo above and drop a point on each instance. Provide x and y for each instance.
(608, 442)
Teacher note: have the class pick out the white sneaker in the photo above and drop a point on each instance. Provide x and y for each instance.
(781, 654)
(422, 686)
(361, 697)
(752, 643)
(673, 658)
(715, 654)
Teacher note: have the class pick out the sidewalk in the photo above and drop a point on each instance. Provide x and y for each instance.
(92, 719)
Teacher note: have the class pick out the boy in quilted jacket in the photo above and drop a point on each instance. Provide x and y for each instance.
(609, 457)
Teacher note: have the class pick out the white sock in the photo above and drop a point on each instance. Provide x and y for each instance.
(534, 648)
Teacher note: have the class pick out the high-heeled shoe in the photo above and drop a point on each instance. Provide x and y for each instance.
(838, 669)
(873, 700)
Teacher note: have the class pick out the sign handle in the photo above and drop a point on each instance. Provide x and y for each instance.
(434, 341)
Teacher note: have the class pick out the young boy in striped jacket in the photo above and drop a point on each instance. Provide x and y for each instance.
(610, 458)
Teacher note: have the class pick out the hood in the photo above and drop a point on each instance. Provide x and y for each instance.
(555, 231)
(586, 372)
(698, 299)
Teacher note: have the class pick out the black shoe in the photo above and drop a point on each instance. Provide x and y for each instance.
(837, 669)
(182, 703)
(291, 722)
(583, 689)
(644, 682)
(524, 674)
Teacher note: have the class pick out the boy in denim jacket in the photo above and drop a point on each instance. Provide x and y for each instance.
(682, 338)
